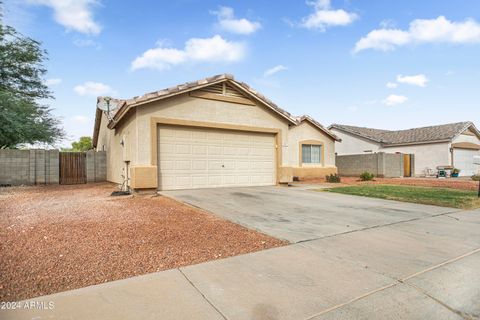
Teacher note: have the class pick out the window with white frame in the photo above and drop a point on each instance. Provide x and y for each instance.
(311, 153)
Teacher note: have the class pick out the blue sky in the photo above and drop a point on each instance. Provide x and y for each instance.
(383, 64)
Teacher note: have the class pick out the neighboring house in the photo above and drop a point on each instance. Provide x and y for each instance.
(215, 132)
(453, 144)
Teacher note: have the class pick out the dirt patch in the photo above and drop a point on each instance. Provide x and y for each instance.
(59, 238)
(461, 184)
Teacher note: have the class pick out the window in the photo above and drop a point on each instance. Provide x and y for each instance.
(311, 153)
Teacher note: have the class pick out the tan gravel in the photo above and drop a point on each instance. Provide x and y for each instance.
(58, 238)
(454, 183)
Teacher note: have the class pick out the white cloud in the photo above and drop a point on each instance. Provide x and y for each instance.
(324, 16)
(391, 85)
(416, 80)
(80, 119)
(73, 14)
(52, 81)
(227, 22)
(91, 88)
(439, 30)
(274, 70)
(394, 99)
(215, 49)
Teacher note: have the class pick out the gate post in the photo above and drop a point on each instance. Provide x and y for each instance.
(90, 165)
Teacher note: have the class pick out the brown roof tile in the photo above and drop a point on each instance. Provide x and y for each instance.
(415, 135)
(124, 105)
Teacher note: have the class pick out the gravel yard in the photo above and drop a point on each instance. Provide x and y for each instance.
(59, 238)
(454, 183)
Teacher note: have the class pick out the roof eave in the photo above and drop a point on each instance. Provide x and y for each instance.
(96, 127)
(355, 133)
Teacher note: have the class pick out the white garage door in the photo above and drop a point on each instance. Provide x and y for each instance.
(190, 158)
(463, 160)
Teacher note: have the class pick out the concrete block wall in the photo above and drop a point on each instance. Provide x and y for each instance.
(15, 167)
(388, 165)
(38, 166)
(35, 166)
(355, 164)
(96, 166)
(392, 165)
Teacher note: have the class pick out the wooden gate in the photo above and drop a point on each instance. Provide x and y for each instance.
(73, 168)
(407, 165)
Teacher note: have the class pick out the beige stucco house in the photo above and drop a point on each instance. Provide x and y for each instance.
(453, 144)
(215, 132)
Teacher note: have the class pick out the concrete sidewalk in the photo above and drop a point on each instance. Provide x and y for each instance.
(421, 269)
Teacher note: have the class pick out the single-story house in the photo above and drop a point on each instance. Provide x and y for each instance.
(215, 132)
(453, 144)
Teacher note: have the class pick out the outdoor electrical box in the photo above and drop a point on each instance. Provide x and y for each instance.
(476, 160)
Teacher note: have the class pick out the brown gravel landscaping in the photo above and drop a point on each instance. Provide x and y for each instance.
(59, 238)
(454, 183)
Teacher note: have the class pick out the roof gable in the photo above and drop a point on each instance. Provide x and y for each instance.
(223, 91)
(236, 89)
(221, 87)
(317, 125)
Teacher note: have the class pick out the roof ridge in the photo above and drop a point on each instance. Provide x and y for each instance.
(434, 126)
(442, 132)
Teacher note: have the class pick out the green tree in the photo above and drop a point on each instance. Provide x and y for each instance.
(22, 118)
(83, 144)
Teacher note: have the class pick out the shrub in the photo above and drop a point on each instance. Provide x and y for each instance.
(476, 177)
(333, 178)
(367, 176)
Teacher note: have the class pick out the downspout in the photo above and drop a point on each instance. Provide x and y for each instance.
(451, 154)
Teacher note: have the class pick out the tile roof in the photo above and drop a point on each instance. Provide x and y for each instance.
(190, 86)
(410, 136)
(121, 106)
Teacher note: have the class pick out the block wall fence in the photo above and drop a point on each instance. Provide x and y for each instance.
(382, 165)
(39, 166)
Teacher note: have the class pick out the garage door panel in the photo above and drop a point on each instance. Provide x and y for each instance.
(229, 180)
(214, 150)
(200, 181)
(183, 149)
(167, 165)
(201, 158)
(199, 136)
(243, 151)
(463, 160)
(183, 165)
(200, 165)
(200, 150)
(184, 182)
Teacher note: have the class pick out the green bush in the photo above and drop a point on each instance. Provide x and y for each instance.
(333, 178)
(367, 176)
(476, 177)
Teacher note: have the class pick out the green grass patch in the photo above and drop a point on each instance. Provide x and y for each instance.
(463, 199)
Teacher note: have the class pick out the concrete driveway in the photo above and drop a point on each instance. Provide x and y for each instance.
(355, 258)
(298, 214)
